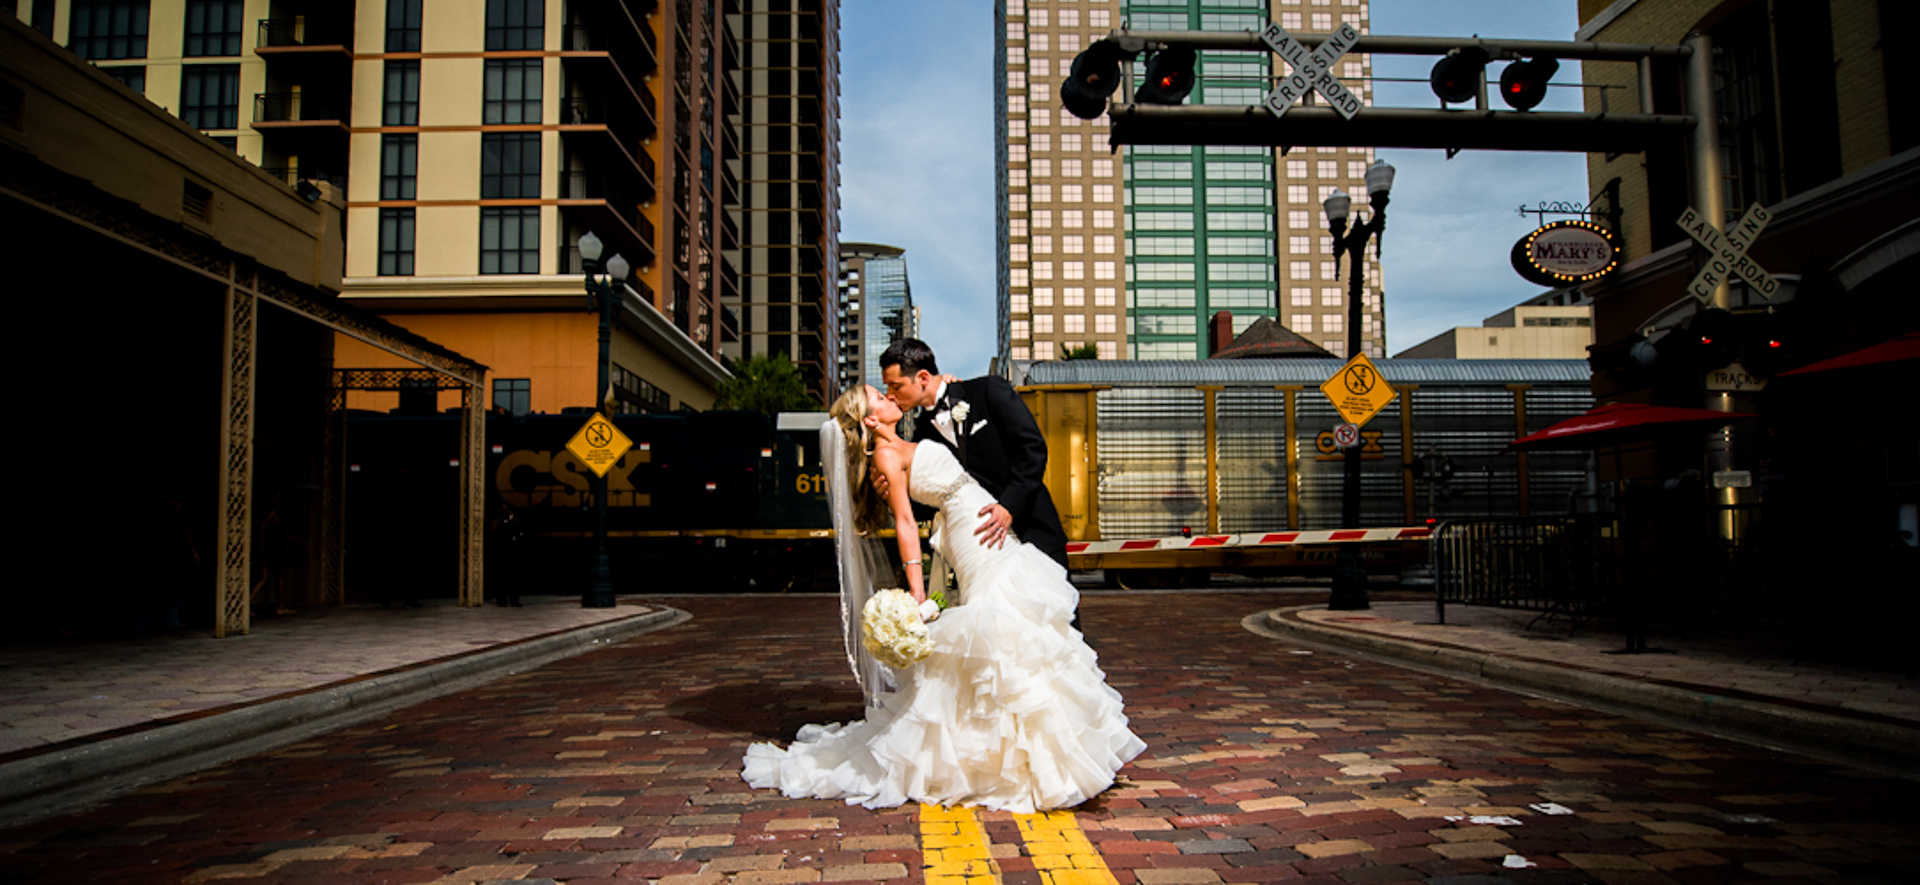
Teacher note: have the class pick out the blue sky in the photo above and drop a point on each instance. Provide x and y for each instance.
(916, 168)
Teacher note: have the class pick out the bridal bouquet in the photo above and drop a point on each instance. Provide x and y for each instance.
(893, 630)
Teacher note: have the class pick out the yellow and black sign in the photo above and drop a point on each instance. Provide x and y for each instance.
(1357, 390)
(599, 444)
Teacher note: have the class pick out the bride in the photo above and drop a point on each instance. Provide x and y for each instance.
(1010, 711)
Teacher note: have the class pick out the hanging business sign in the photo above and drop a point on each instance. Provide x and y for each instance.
(1565, 252)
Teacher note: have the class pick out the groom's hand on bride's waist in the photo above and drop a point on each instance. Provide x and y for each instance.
(993, 528)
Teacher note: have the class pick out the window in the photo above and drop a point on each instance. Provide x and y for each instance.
(210, 96)
(1071, 193)
(1237, 246)
(1043, 324)
(1018, 304)
(1070, 142)
(1260, 299)
(1103, 296)
(100, 29)
(1073, 270)
(213, 28)
(400, 102)
(1182, 324)
(1163, 298)
(1239, 196)
(396, 242)
(1162, 246)
(1297, 194)
(403, 25)
(1329, 270)
(1332, 323)
(1299, 297)
(513, 395)
(1071, 168)
(1073, 324)
(1300, 245)
(510, 239)
(1073, 296)
(1043, 218)
(1103, 193)
(1043, 296)
(1103, 245)
(1103, 270)
(1330, 297)
(1298, 219)
(399, 157)
(1103, 218)
(1301, 322)
(1328, 168)
(1072, 218)
(512, 91)
(1164, 350)
(1043, 245)
(1300, 270)
(1105, 324)
(1016, 252)
(1108, 350)
(509, 165)
(515, 24)
(1042, 193)
(1073, 245)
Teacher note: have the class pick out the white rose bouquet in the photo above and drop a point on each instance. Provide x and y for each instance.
(893, 630)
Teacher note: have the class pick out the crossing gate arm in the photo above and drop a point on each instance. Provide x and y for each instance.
(1250, 550)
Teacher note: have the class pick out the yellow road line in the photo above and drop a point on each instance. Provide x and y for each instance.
(1061, 851)
(954, 849)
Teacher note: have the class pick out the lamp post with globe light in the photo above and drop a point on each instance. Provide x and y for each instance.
(1349, 575)
(605, 293)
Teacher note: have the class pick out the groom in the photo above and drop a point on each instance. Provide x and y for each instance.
(991, 433)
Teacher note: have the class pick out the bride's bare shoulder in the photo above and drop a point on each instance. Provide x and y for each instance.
(894, 455)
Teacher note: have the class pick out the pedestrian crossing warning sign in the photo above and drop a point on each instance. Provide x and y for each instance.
(1358, 391)
(599, 444)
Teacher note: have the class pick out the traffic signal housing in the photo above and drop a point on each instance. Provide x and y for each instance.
(1524, 83)
(1093, 78)
(1456, 76)
(1170, 77)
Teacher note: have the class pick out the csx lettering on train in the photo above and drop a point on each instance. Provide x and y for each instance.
(571, 480)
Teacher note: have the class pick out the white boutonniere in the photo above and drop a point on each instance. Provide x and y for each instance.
(960, 410)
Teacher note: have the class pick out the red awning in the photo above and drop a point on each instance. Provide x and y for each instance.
(1618, 423)
(1905, 347)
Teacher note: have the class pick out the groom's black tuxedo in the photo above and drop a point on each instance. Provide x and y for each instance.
(1001, 447)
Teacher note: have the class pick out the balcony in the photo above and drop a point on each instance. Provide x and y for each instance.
(608, 141)
(608, 206)
(299, 49)
(311, 126)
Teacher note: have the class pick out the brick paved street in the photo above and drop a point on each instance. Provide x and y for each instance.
(1266, 762)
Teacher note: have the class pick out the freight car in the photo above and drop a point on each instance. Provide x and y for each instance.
(1153, 449)
(702, 502)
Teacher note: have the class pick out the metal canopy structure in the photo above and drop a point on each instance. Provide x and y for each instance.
(1477, 128)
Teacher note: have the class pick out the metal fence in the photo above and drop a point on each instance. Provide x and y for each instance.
(1561, 565)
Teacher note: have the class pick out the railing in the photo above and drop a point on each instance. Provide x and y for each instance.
(1556, 565)
(270, 107)
(296, 31)
(293, 175)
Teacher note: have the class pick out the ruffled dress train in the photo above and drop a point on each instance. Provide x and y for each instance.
(1009, 712)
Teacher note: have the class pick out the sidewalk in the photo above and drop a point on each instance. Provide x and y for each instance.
(1747, 691)
(91, 718)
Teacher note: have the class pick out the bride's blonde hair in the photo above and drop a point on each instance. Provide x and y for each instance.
(869, 513)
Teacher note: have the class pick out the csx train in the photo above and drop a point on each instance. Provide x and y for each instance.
(734, 501)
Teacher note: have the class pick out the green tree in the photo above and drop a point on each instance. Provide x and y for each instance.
(1083, 352)
(767, 384)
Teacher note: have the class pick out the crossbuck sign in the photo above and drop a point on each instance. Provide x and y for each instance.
(1727, 253)
(1312, 71)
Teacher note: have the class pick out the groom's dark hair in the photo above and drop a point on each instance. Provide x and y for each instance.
(911, 355)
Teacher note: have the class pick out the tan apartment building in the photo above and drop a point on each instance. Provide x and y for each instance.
(788, 213)
(1522, 332)
(476, 141)
(1133, 250)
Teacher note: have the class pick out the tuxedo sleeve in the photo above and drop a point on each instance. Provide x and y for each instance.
(1025, 447)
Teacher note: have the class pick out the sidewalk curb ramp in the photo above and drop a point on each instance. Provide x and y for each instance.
(61, 780)
(1861, 738)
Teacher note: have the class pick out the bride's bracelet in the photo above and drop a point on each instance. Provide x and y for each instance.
(911, 562)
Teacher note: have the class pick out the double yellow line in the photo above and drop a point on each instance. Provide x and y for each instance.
(956, 851)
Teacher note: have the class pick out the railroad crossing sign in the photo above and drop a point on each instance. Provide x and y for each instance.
(599, 444)
(1357, 390)
(1727, 253)
(1312, 71)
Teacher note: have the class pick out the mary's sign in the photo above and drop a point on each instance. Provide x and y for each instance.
(1566, 252)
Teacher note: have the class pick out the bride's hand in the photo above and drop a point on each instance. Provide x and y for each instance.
(880, 484)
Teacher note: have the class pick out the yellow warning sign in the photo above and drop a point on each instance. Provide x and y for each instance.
(1357, 390)
(599, 444)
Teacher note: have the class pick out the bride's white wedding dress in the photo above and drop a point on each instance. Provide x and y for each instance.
(1010, 711)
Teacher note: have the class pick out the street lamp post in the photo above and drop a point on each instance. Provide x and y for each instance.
(1349, 575)
(605, 295)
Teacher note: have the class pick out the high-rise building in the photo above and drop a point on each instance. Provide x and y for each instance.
(788, 213)
(876, 306)
(477, 142)
(1132, 250)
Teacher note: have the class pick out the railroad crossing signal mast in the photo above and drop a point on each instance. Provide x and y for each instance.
(1156, 116)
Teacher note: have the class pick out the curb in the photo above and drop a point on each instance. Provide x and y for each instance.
(1808, 730)
(61, 780)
